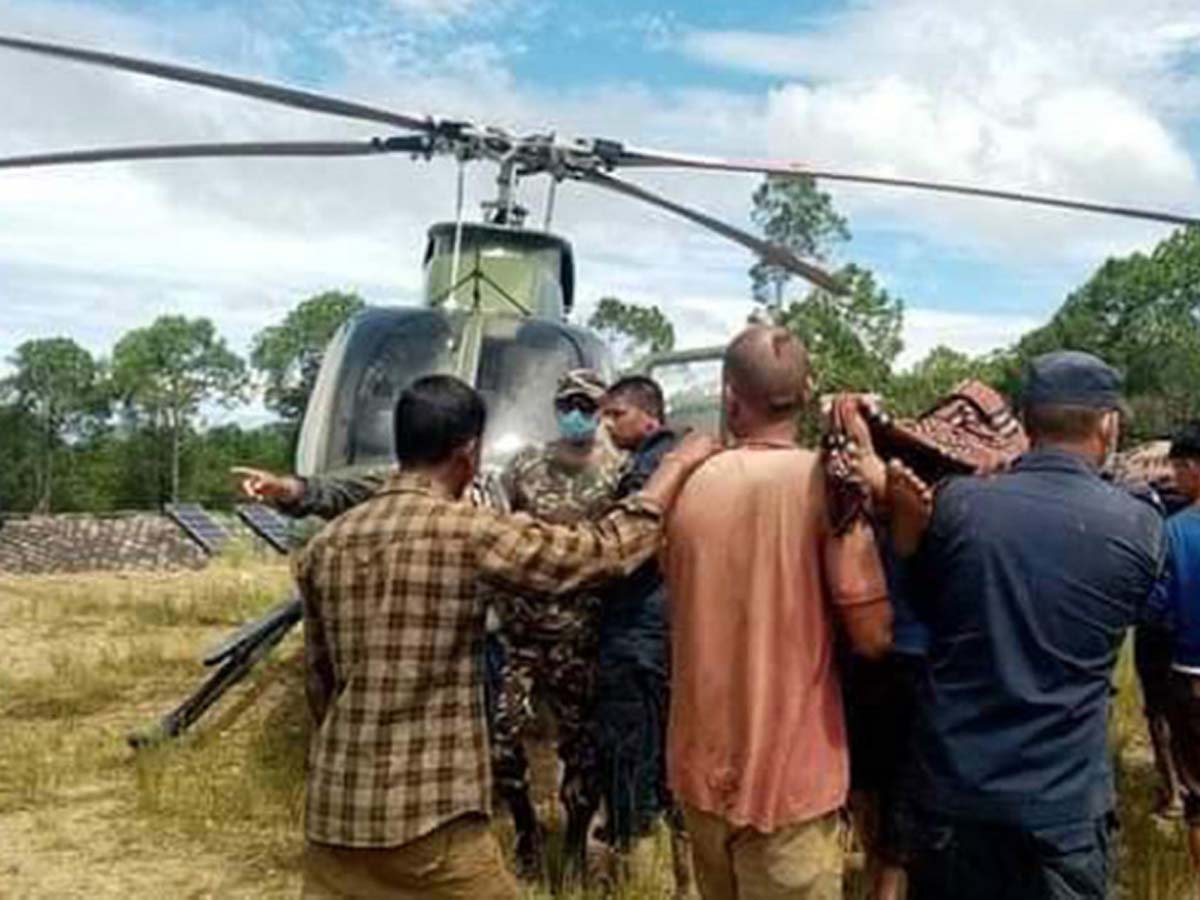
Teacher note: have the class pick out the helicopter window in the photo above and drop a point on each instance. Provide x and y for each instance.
(420, 348)
(518, 374)
(507, 279)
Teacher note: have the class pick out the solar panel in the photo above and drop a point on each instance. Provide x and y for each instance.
(268, 525)
(198, 525)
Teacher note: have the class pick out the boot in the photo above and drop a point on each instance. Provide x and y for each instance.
(530, 842)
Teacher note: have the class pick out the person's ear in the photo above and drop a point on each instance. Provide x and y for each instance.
(1112, 429)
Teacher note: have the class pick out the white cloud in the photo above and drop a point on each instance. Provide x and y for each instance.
(971, 333)
(436, 9)
(94, 251)
(1073, 98)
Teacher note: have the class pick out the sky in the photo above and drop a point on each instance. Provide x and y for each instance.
(1089, 98)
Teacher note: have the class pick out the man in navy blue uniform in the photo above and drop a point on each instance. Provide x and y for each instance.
(1029, 581)
(630, 714)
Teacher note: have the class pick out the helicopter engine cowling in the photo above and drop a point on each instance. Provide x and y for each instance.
(514, 271)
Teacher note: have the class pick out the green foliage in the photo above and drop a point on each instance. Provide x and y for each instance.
(853, 338)
(19, 440)
(211, 455)
(793, 213)
(288, 355)
(57, 383)
(635, 331)
(1140, 313)
(164, 372)
(916, 390)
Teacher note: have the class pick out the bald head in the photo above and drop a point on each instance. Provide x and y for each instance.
(766, 366)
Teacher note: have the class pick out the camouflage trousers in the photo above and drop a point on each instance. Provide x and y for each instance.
(561, 670)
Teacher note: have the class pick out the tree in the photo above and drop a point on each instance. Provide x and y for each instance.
(852, 338)
(166, 371)
(634, 330)
(289, 355)
(793, 213)
(19, 440)
(56, 381)
(1139, 313)
(913, 392)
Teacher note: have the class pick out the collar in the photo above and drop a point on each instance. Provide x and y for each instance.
(654, 438)
(1051, 460)
(408, 483)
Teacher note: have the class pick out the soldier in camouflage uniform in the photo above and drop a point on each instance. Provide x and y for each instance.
(550, 648)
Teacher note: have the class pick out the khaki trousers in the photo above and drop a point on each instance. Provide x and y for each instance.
(799, 862)
(461, 860)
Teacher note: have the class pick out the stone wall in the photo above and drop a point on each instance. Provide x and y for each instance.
(81, 543)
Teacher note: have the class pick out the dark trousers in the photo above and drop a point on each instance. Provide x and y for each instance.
(630, 724)
(957, 859)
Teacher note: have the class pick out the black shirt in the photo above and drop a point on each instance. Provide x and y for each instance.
(1030, 579)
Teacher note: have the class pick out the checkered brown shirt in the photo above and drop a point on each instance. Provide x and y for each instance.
(394, 627)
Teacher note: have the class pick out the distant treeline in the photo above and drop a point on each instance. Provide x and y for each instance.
(124, 430)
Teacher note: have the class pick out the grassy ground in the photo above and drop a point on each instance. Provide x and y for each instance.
(85, 660)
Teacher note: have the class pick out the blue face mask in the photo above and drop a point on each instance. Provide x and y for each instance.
(577, 426)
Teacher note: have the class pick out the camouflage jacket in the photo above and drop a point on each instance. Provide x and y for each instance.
(539, 482)
(328, 496)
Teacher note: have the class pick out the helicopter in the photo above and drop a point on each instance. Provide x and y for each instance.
(497, 294)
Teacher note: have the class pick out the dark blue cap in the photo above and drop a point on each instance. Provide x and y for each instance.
(1072, 378)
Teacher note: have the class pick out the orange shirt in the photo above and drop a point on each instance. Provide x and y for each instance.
(757, 733)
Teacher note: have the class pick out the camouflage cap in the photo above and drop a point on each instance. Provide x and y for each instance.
(585, 382)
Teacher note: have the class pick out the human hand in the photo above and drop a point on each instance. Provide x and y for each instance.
(911, 507)
(693, 449)
(259, 484)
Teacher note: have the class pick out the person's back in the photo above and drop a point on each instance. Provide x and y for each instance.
(1183, 535)
(757, 752)
(1039, 571)
(757, 732)
(1028, 582)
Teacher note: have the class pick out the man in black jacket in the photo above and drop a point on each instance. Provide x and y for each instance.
(630, 714)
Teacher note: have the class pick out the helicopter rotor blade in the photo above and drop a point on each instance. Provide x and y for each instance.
(414, 144)
(771, 253)
(622, 156)
(260, 90)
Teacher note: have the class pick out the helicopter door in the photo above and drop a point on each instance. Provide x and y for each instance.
(691, 384)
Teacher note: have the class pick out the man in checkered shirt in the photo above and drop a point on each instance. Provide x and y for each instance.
(399, 785)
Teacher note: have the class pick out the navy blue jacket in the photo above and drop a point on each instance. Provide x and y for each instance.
(633, 616)
(1029, 581)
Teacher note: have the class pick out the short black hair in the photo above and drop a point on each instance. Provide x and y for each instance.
(643, 392)
(1053, 421)
(1185, 443)
(435, 415)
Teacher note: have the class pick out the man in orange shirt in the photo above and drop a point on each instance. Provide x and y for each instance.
(758, 581)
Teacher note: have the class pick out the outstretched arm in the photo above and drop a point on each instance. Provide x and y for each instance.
(327, 496)
(522, 554)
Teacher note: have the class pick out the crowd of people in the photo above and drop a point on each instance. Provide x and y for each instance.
(744, 640)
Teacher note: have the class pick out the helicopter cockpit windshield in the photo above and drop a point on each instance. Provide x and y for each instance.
(348, 423)
(520, 362)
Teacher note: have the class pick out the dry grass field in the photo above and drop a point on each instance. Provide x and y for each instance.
(83, 660)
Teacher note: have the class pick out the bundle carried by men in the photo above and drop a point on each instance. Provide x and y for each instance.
(1146, 464)
(970, 430)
